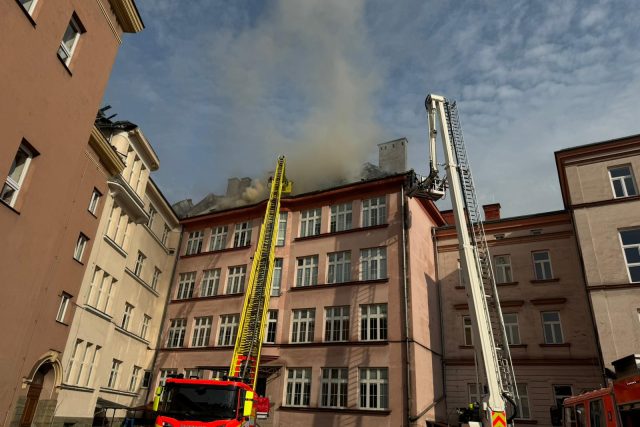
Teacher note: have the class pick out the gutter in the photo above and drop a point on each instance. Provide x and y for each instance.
(405, 297)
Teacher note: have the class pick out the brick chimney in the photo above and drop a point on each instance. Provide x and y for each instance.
(491, 212)
(392, 156)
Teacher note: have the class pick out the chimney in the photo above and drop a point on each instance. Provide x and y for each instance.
(233, 187)
(448, 217)
(392, 156)
(491, 212)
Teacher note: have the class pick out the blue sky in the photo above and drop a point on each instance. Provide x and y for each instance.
(220, 88)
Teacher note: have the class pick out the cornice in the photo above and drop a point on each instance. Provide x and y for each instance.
(128, 15)
(106, 153)
(128, 199)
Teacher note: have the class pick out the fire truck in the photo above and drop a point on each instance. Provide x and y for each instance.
(617, 405)
(231, 401)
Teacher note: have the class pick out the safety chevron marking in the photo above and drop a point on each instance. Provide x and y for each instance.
(499, 419)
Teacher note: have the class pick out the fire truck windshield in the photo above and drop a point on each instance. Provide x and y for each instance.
(200, 402)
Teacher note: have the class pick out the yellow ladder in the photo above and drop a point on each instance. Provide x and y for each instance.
(246, 353)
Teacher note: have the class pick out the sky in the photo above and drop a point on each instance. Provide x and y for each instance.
(221, 88)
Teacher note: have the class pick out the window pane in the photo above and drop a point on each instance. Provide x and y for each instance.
(630, 237)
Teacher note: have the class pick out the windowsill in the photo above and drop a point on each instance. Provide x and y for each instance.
(337, 233)
(336, 285)
(212, 297)
(142, 282)
(466, 347)
(76, 388)
(78, 261)
(131, 335)
(507, 284)
(121, 392)
(93, 214)
(97, 312)
(331, 344)
(66, 67)
(565, 344)
(553, 280)
(62, 323)
(26, 13)
(158, 241)
(7, 205)
(115, 246)
(518, 345)
(239, 248)
(381, 412)
(548, 301)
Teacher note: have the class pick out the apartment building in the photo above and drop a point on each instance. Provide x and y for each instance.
(57, 56)
(353, 332)
(124, 290)
(546, 312)
(599, 184)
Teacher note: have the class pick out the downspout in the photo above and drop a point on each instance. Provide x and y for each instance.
(439, 292)
(405, 297)
(164, 315)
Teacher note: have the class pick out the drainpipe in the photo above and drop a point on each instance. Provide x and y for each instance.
(439, 292)
(405, 297)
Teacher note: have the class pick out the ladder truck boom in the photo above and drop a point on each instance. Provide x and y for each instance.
(490, 341)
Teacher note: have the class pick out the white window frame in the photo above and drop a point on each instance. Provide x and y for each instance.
(81, 244)
(95, 357)
(155, 278)
(373, 322)
(67, 51)
(164, 374)
(523, 402)
(137, 270)
(133, 381)
(186, 284)
(73, 360)
(100, 291)
(152, 216)
(307, 271)
(303, 323)
(337, 323)
(144, 328)
(165, 234)
(467, 331)
(334, 386)
(31, 6)
(310, 222)
(177, 332)
(474, 392)
(282, 229)
(339, 267)
(242, 235)
(126, 316)
(218, 240)
(94, 201)
(194, 242)
(276, 278)
(298, 387)
(627, 182)
(236, 277)
(502, 266)
(201, 331)
(272, 327)
(552, 328)
(559, 397)
(512, 328)
(542, 274)
(62, 309)
(373, 263)
(210, 282)
(630, 249)
(341, 217)
(374, 211)
(16, 184)
(114, 373)
(228, 329)
(374, 390)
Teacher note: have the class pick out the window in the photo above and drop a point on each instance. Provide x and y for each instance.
(461, 279)
(80, 245)
(242, 235)
(272, 327)
(16, 176)
(373, 322)
(165, 234)
(74, 360)
(28, 5)
(310, 222)
(339, 267)
(126, 316)
(186, 283)
(523, 402)
(64, 304)
(93, 203)
(552, 327)
(542, 265)
(374, 211)
(139, 264)
(561, 392)
(302, 325)
(336, 323)
(113, 375)
(210, 282)
(133, 382)
(101, 290)
(276, 282)
(307, 271)
(81, 363)
(631, 247)
(228, 329)
(166, 373)
(334, 388)
(374, 388)
(373, 264)
(298, 386)
(341, 217)
(145, 326)
(474, 390)
(218, 238)
(176, 333)
(69, 40)
(503, 269)
(511, 328)
(467, 330)
(193, 373)
(152, 216)
(194, 243)
(155, 278)
(235, 280)
(622, 181)
(201, 331)
(92, 362)
(146, 379)
(596, 413)
(282, 229)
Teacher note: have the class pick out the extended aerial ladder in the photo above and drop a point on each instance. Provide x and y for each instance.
(490, 339)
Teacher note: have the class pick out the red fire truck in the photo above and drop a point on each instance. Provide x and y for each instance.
(617, 405)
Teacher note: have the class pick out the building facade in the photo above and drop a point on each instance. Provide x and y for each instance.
(114, 331)
(353, 331)
(54, 166)
(599, 184)
(545, 308)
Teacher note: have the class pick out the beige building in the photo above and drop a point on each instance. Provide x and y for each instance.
(599, 184)
(545, 309)
(115, 328)
(57, 56)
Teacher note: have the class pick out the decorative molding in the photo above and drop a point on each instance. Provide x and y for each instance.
(511, 240)
(239, 248)
(127, 14)
(128, 199)
(548, 301)
(509, 303)
(336, 411)
(115, 246)
(107, 155)
(140, 281)
(336, 233)
(338, 285)
(132, 335)
(537, 281)
(112, 25)
(120, 392)
(613, 287)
